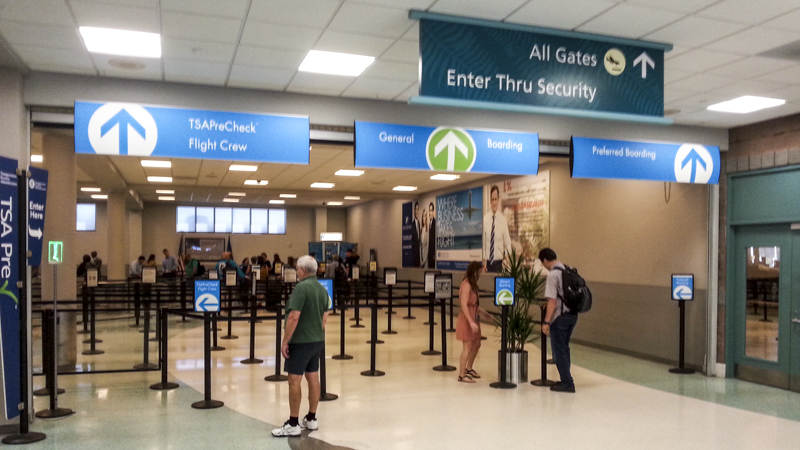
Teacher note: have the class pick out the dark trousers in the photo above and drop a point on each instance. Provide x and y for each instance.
(560, 334)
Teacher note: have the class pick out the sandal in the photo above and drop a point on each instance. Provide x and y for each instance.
(471, 373)
(466, 379)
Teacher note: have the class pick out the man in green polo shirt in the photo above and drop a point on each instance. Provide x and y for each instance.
(303, 340)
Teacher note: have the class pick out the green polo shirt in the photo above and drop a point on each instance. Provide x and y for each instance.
(311, 299)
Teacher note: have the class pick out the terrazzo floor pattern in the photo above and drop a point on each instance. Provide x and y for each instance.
(621, 403)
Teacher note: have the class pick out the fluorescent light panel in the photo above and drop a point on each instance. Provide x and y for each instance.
(121, 42)
(165, 191)
(445, 177)
(159, 179)
(256, 182)
(352, 197)
(335, 203)
(322, 185)
(90, 189)
(237, 194)
(405, 188)
(332, 63)
(277, 202)
(242, 168)
(154, 163)
(166, 198)
(349, 173)
(37, 158)
(100, 196)
(288, 196)
(746, 104)
(230, 200)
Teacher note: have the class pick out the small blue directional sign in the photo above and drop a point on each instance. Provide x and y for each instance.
(682, 286)
(656, 161)
(328, 283)
(504, 291)
(206, 295)
(37, 200)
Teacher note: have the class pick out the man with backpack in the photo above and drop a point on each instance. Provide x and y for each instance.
(560, 319)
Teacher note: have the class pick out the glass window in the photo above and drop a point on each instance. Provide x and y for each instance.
(241, 220)
(186, 219)
(222, 220)
(86, 216)
(277, 221)
(259, 219)
(205, 220)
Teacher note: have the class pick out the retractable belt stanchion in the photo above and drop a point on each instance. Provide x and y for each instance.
(230, 315)
(681, 369)
(373, 312)
(278, 322)
(544, 381)
(430, 313)
(137, 304)
(48, 357)
(503, 383)
(374, 332)
(444, 367)
(183, 299)
(430, 351)
(253, 311)
(389, 319)
(50, 337)
(452, 328)
(164, 360)
(357, 297)
(157, 328)
(146, 352)
(207, 403)
(93, 329)
(84, 309)
(215, 347)
(408, 296)
(341, 355)
(324, 395)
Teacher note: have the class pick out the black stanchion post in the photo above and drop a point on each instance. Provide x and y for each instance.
(93, 330)
(278, 326)
(503, 383)
(374, 332)
(430, 351)
(183, 299)
(214, 329)
(137, 303)
(357, 318)
(146, 351)
(48, 357)
(408, 296)
(544, 382)
(230, 315)
(253, 310)
(207, 403)
(84, 309)
(324, 395)
(430, 312)
(681, 369)
(157, 328)
(342, 308)
(444, 367)
(389, 319)
(164, 384)
(51, 339)
(452, 329)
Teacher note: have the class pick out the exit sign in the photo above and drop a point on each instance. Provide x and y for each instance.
(55, 252)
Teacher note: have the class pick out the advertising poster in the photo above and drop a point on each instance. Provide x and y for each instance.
(458, 229)
(407, 230)
(520, 211)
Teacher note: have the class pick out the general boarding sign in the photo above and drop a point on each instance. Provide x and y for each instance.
(143, 130)
(499, 65)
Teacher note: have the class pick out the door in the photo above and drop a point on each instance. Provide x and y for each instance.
(765, 311)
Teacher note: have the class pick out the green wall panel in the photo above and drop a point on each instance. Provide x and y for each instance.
(765, 197)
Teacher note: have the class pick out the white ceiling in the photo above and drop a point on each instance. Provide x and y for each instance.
(260, 43)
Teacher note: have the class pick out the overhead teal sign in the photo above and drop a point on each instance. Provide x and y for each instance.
(475, 63)
(445, 149)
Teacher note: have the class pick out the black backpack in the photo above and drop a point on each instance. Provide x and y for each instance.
(577, 296)
(201, 269)
(341, 272)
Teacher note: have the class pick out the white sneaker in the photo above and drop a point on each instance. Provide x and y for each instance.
(310, 424)
(286, 430)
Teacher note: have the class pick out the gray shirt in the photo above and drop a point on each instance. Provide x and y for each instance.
(330, 269)
(554, 289)
(170, 264)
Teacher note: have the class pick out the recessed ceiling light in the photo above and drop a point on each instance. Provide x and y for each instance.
(242, 168)
(90, 189)
(237, 194)
(256, 182)
(335, 203)
(445, 177)
(277, 202)
(746, 104)
(322, 185)
(230, 200)
(288, 195)
(352, 197)
(100, 196)
(121, 42)
(36, 158)
(404, 188)
(349, 173)
(165, 191)
(333, 63)
(154, 163)
(159, 179)
(166, 198)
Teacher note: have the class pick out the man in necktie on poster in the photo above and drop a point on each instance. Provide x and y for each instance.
(496, 239)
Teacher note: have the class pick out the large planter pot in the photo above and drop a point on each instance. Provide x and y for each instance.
(516, 366)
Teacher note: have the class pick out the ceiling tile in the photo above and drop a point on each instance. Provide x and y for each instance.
(308, 82)
(408, 93)
(673, 95)
(694, 31)
(56, 68)
(235, 9)
(748, 87)
(748, 11)
(753, 67)
(790, 75)
(392, 71)
(140, 3)
(786, 22)
(53, 12)
(260, 77)
(179, 70)
(639, 21)
(150, 67)
(402, 4)
(290, 37)
(413, 33)
(41, 35)
(681, 6)
(308, 13)
(93, 14)
(371, 20)
(701, 83)
(41, 56)
(403, 51)
(196, 50)
(674, 75)
(376, 89)
(200, 28)
(789, 93)
(697, 61)
(268, 57)
(493, 10)
(754, 40)
(334, 41)
(564, 15)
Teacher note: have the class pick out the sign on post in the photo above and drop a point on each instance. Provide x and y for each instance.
(206, 295)
(683, 287)
(504, 291)
(443, 286)
(390, 276)
(430, 277)
(289, 274)
(356, 271)
(91, 277)
(373, 266)
(230, 277)
(37, 200)
(148, 275)
(256, 273)
(328, 283)
(55, 252)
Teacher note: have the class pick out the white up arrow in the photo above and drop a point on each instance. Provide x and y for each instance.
(645, 60)
(452, 142)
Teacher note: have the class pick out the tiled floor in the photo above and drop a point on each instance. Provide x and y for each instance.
(621, 403)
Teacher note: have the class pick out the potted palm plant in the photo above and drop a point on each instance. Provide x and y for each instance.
(522, 324)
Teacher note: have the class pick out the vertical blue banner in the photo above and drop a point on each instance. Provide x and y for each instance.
(328, 283)
(37, 200)
(9, 293)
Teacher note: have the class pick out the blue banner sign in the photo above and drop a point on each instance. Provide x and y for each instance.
(682, 287)
(328, 283)
(543, 69)
(9, 293)
(445, 149)
(37, 200)
(678, 163)
(504, 291)
(139, 130)
(206, 295)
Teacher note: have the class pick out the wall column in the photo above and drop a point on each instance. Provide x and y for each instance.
(117, 235)
(321, 222)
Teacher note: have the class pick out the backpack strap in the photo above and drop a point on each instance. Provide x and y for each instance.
(560, 297)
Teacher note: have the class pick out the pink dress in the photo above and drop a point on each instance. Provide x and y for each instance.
(463, 330)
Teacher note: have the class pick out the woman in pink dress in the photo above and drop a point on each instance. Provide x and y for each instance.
(468, 328)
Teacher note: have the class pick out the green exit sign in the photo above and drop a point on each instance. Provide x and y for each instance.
(55, 253)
